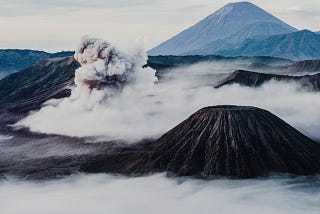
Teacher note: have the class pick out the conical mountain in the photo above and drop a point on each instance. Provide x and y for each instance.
(228, 22)
(232, 141)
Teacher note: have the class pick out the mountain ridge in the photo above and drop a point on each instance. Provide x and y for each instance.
(28, 89)
(300, 45)
(13, 60)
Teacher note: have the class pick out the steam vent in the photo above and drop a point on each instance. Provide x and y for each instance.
(230, 141)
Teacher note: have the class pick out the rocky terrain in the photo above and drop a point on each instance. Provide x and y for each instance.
(254, 79)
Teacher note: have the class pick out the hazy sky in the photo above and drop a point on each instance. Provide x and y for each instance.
(59, 24)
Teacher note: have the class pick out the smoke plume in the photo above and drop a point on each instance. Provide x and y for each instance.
(103, 63)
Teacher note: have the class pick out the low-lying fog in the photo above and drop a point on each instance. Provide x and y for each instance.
(158, 194)
(147, 109)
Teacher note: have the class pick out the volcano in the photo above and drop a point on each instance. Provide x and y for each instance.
(231, 24)
(229, 141)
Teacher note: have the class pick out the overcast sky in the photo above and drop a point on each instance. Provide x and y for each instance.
(54, 25)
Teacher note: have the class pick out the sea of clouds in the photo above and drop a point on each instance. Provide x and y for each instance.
(102, 193)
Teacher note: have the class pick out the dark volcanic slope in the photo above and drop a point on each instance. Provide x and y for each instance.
(13, 60)
(28, 89)
(254, 79)
(231, 141)
(304, 66)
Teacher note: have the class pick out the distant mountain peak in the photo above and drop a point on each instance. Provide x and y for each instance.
(244, 12)
(224, 10)
(233, 8)
(237, 5)
(225, 22)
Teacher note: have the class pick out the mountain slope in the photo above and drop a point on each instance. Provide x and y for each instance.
(29, 88)
(256, 30)
(301, 45)
(224, 23)
(232, 141)
(13, 60)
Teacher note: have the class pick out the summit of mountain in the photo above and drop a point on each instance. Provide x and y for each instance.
(234, 22)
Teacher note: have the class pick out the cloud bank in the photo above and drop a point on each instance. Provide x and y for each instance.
(158, 194)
